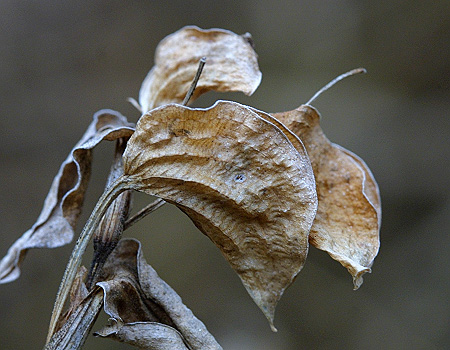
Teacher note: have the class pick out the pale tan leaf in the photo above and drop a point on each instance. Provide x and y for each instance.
(145, 309)
(349, 213)
(62, 207)
(231, 65)
(371, 190)
(240, 180)
(294, 139)
(145, 335)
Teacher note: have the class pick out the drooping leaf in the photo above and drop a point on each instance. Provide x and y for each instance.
(349, 213)
(146, 311)
(231, 65)
(62, 207)
(106, 237)
(239, 179)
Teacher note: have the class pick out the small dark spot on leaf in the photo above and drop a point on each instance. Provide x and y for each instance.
(239, 178)
(180, 132)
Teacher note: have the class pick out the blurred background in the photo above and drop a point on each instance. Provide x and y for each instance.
(61, 61)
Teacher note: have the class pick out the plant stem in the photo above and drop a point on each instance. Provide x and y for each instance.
(102, 205)
(335, 80)
(110, 229)
(156, 204)
(191, 90)
(74, 332)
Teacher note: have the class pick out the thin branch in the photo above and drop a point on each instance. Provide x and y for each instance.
(334, 81)
(191, 90)
(158, 203)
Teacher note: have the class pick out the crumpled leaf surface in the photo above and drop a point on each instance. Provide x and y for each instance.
(145, 335)
(349, 213)
(240, 180)
(62, 207)
(146, 311)
(231, 65)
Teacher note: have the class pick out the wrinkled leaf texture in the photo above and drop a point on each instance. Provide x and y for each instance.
(239, 179)
(231, 65)
(62, 207)
(145, 311)
(349, 212)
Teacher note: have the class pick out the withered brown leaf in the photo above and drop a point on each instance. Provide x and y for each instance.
(146, 311)
(349, 213)
(62, 207)
(231, 65)
(239, 179)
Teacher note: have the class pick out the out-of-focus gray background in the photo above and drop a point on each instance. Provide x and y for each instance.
(62, 61)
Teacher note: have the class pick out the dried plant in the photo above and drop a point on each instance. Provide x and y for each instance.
(260, 186)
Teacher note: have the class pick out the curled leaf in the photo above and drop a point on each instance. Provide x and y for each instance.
(349, 213)
(145, 335)
(62, 207)
(146, 311)
(231, 65)
(239, 179)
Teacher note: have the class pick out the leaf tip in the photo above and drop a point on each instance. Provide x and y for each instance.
(358, 279)
(272, 327)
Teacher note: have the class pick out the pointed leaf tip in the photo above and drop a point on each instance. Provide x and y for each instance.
(239, 179)
(349, 212)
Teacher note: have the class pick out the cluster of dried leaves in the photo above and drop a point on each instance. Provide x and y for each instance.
(260, 186)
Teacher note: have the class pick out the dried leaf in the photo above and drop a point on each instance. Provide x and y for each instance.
(62, 207)
(146, 311)
(145, 335)
(231, 65)
(370, 185)
(239, 179)
(106, 237)
(349, 213)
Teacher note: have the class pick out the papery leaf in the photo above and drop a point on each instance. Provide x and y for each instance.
(145, 310)
(106, 236)
(62, 207)
(371, 190)
(349, 212)
(145, 335)
(239, 179)
(105, 239)
(231, 65)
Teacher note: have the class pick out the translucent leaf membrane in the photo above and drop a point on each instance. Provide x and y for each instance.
(240, 180)
(349, 213)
